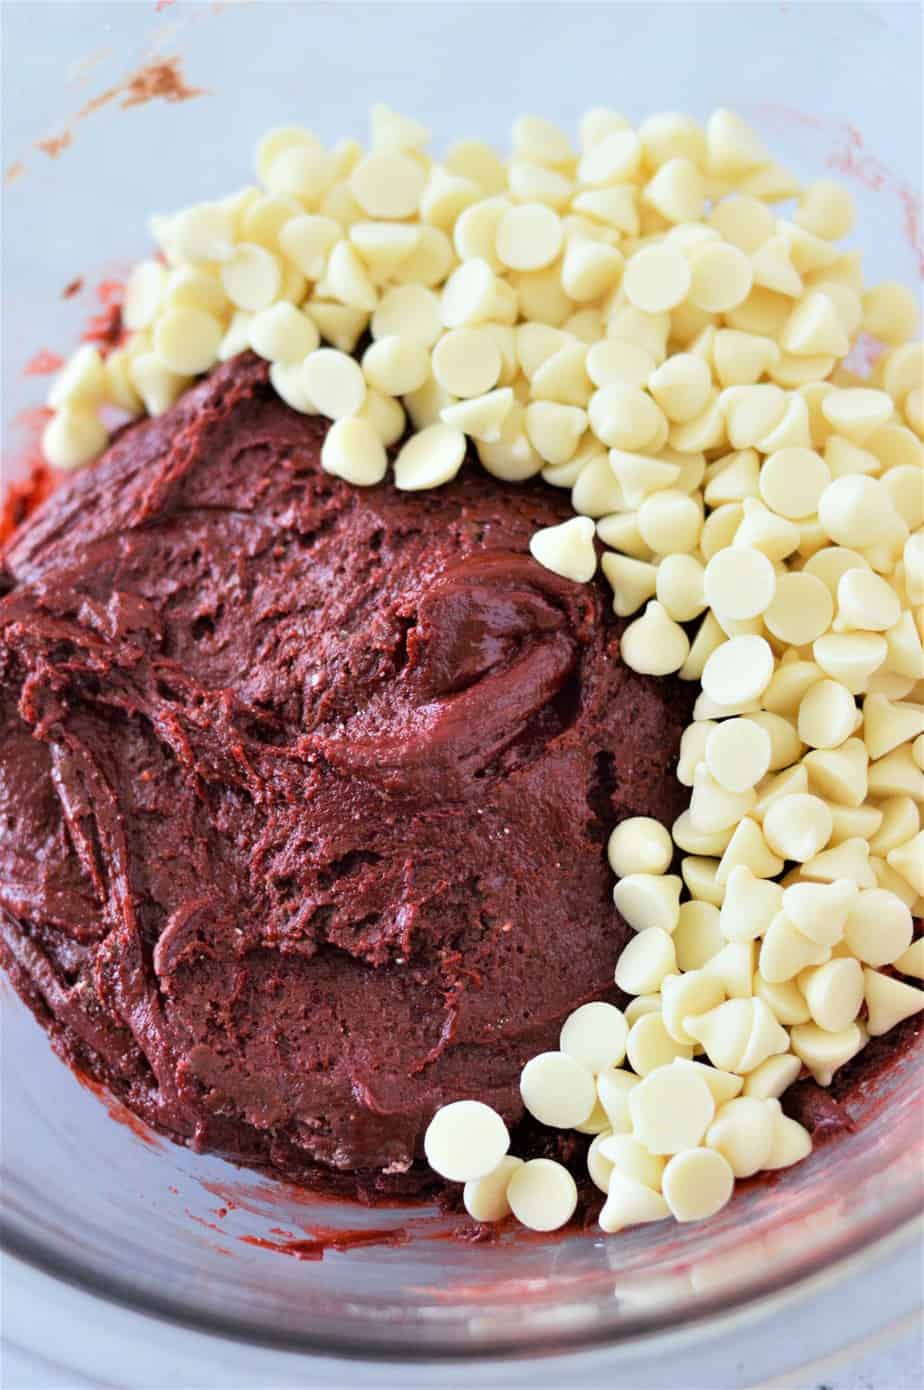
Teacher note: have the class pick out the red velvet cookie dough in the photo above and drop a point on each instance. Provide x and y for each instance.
(306, 788)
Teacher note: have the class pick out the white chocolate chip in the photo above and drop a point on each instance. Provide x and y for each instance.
(639, 845)
(819, 910)
(827, 715)
(791, 1143)
(645, 961)
(630, 1203)
(251, 277)
(879, 927)
(773, 1077)
(613, 1087)
(595, 1036)
(485, 1199)
(388, 185)
(657, 278)
(697, 936)
(654, 644)
(798, 826)
(742, 1132)
(465, 1140)
(567, 549)
(738, 671)
(430, 458)
(697, 1183)
(739, 582)
(73, 436)
(557, 1090)
(282, 333)
(353, 450)
(671, 1110)
(542, 1195)
(889, 1001)
(738, 754)
(750, 905)
(822, 1052)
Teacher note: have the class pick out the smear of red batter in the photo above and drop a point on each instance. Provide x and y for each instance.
(15, 171)
(72, 287)
(52, 145)
(316, 1246)
(117, 1111)
(34, 480)
(850, 158)
(106, 328)
(43, 363)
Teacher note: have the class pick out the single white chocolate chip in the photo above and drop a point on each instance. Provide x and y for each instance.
(798, 826)
(750, 905)
(251, 277)
(632, 1160)
(773, 1077)
(595, 1036)
(73, 436)
(557, 1090)
(679, 587)
(639, 845)
(144, 291)
(388, 185)
(633, 581)
(529, 236)
(645, 961)
(542, 1195)
(598, 1167)
(654, 644)
(721, 277)
(791, 1143)
(465, 1139)
(738, 754)
(889, 1001)
(485, 1199)
(738, 670)
(656, 278)
(430, 458)
(334, 381)
(857, 511)
(671, 1109)
(353, 450)
(697, 936)
(819, 910)
(866, 601)
(822, 1052)
(396, 365)
(748, 848)
(879, 927)
(567, 549)
(630, 1203)
(827, 715)
(649, 1044)
(697, 1183)
(739, 582)
(742, 1132)
(801, 610)
(613, 1087)
(81, 381)
(466, 362)
(792, 482)
(833, 992)
(282, 333)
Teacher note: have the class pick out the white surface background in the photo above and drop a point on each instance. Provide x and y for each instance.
(470, 69)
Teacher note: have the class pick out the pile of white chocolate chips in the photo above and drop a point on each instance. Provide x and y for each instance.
(636, 321)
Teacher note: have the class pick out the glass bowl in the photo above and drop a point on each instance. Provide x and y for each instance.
(119, 1212)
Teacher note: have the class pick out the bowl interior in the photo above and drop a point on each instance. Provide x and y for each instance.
(188, 1236)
